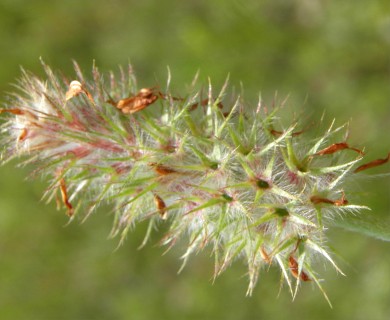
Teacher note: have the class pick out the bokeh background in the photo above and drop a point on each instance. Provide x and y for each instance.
(328, 57)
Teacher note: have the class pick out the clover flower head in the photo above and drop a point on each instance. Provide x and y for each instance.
(220, 174)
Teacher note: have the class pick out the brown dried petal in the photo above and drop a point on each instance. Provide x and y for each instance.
(15, 111)
(373, 164)
(337, 147)
(161, 206)
(65, 199)
(294, 268)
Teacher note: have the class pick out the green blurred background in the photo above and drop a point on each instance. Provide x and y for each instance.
(329, 57)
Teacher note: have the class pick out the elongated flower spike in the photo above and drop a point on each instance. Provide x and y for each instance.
(220, 174)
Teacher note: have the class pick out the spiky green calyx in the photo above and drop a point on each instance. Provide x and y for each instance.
(220, 174)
